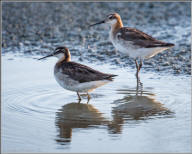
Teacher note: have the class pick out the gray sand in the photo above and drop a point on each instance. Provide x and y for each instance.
(36, 28)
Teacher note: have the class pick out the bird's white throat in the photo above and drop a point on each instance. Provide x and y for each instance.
(59, 56)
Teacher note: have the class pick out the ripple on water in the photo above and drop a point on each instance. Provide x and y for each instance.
(32, 107)
(33, 101)
(43, 116)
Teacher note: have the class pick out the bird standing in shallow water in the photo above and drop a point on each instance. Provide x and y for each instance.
(77, 77)
(130, 41)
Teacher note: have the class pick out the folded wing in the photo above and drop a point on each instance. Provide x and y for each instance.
(140, 38)
(82, 73)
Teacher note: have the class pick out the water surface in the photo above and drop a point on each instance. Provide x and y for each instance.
(40, 116)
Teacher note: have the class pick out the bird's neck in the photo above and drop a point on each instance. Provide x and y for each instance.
(65, 58)
(115, 27)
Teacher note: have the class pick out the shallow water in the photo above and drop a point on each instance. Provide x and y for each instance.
(40, 116)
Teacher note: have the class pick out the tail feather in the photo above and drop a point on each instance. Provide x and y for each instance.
(110, 77)
(169, 45)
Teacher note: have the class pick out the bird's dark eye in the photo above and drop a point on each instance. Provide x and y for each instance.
(111, 17)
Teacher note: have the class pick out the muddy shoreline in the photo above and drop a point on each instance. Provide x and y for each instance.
(36, 28)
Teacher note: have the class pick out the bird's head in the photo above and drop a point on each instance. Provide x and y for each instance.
(110, 19)
(60, 53)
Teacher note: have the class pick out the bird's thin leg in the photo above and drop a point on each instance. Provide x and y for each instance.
(78, 96)
(136, 63)
(88, 97)
(140, 65)
(137, 73)
(139, 83)
(79, 101)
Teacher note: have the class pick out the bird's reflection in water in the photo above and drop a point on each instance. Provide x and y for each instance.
(76, 115)
(136, 107)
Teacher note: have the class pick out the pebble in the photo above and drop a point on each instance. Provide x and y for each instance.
(26, 31)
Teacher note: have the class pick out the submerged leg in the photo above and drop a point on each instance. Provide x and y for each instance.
(78, 96)
(139, 87)
(139, 83)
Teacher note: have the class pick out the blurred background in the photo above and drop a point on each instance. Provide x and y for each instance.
(37, 27)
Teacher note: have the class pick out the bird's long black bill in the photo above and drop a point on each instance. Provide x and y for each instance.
(45, 57)
(101, 22)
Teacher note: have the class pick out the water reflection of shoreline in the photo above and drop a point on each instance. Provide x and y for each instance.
(134, 108)
(76, 115)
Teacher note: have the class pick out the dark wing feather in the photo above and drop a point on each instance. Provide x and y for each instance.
(140, 38)
(82, 73)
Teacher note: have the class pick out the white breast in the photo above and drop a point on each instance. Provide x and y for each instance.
(65, 82)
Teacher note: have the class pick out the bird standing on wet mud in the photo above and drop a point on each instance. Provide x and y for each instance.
(130, 41)
(77, 77)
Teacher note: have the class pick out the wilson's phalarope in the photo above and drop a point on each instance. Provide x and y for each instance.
(77, 77)
(133, 42)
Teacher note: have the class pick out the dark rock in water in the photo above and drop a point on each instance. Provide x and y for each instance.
(40, 27)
